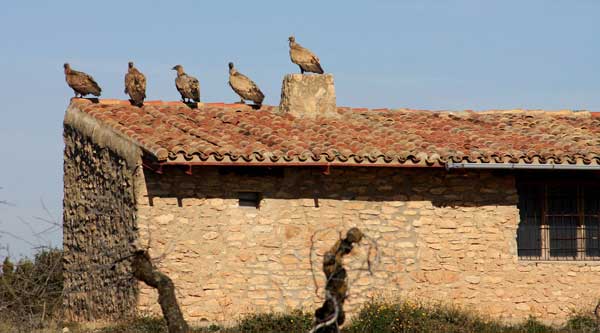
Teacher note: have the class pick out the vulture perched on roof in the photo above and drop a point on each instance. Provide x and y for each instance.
(306, 60)
(244, 87)
(188, 86)
(81, 83)
(135, 85)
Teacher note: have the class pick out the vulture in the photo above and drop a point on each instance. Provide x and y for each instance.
(306, 60)
(135, 85)
(244, 87)
(188, 86)
(81, 83)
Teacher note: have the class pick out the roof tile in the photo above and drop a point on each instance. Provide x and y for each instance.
(172, 131)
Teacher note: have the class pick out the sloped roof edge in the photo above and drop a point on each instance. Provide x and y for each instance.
(218, 133)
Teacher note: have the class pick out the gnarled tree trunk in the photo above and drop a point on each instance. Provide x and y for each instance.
(143, 270)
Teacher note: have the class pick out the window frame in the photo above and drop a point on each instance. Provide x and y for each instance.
(545, 225)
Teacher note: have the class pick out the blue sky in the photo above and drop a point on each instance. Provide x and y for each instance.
(461, 54)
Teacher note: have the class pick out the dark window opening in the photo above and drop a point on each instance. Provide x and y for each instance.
(559, 220)
(249, 199)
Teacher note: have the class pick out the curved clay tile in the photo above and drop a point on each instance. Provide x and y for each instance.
(170, 130)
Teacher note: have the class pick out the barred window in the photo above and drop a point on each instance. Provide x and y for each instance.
(559, 221)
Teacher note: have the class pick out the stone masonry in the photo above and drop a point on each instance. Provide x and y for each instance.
(308, 96)
(98, 229)
(442, 236)
(447, 236)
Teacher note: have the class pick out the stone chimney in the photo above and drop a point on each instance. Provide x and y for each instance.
(308, 96)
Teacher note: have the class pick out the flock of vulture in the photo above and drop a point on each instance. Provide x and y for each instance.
(189, 86)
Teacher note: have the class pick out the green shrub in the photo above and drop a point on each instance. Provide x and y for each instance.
(582, 322)
(377, 316)
(31, 290)
(296, 321)
(373, 317)
(532, 325)
(408, 317)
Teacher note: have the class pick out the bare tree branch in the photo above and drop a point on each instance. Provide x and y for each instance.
(52, 219)
(17, 237)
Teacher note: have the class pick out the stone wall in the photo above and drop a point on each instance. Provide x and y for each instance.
(98, 229)
(308, 96)
(442, 236)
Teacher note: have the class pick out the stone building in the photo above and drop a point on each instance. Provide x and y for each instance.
(497, 211)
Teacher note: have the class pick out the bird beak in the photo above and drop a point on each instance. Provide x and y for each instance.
(173, 68)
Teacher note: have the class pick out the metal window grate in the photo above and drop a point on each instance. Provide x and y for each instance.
(559, 242)
(559, 222)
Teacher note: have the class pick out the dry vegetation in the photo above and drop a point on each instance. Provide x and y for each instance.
(31, 290)
(376, 316)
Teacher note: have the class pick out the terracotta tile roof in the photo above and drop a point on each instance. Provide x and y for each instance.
(217, 132)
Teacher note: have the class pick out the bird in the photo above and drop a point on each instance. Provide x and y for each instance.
(304, 58)
(81, 83)
(188, 86)
(135, 85)
(244, 87)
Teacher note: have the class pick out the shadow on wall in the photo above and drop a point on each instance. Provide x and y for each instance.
(438, 186)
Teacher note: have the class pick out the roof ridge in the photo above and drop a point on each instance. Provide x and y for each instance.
(113, 101)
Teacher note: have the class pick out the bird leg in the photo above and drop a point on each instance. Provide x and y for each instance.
(242, 101)
(301, 70)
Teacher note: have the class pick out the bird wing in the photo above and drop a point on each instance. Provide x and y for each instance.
(135, 84)
(301, 55)
(259, 96)
(313, 57)
(245, 87)
(140, 82)
(92, 83)
(188, 86)
(194, 86)
(81, 81)
(180, 83)
(241, 82)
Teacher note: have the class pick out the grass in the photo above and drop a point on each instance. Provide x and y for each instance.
(375, 316)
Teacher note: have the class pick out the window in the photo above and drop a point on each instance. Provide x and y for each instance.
(249, 199)
(559, 220)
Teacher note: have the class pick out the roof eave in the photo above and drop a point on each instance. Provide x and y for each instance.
(302, 164)
(522, 166)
